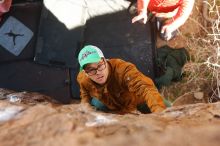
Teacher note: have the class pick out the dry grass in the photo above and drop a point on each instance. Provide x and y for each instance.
(202, 72)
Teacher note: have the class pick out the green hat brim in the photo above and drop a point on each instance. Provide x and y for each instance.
(92, 60)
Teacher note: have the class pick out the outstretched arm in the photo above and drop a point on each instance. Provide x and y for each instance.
(142, 11)
(180, 18)
(143, 87)
(84, 94)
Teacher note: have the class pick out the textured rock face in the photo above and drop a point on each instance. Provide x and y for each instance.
(44, 123)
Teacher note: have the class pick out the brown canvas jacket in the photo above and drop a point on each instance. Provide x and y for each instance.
(126, 87)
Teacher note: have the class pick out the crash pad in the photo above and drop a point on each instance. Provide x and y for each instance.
(30, 22)
(29, 76)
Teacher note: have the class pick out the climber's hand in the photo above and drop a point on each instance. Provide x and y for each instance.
(86, 107)
(141, 17)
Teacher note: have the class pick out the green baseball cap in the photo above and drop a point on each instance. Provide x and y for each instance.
(89, 54)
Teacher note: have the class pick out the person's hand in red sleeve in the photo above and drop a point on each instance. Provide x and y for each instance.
(142, 17)
(142, 11)
(180, 16)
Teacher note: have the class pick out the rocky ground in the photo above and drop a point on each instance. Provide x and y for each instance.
(42, 122)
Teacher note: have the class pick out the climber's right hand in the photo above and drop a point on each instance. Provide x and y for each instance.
(141, 17)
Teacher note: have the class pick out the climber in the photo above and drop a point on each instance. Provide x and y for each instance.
(115, 85)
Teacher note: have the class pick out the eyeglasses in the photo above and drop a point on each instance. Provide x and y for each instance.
(92, 71)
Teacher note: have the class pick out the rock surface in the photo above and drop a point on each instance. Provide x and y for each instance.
(49, 124)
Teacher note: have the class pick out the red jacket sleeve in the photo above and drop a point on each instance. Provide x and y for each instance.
(182, 14)
(179, 19)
